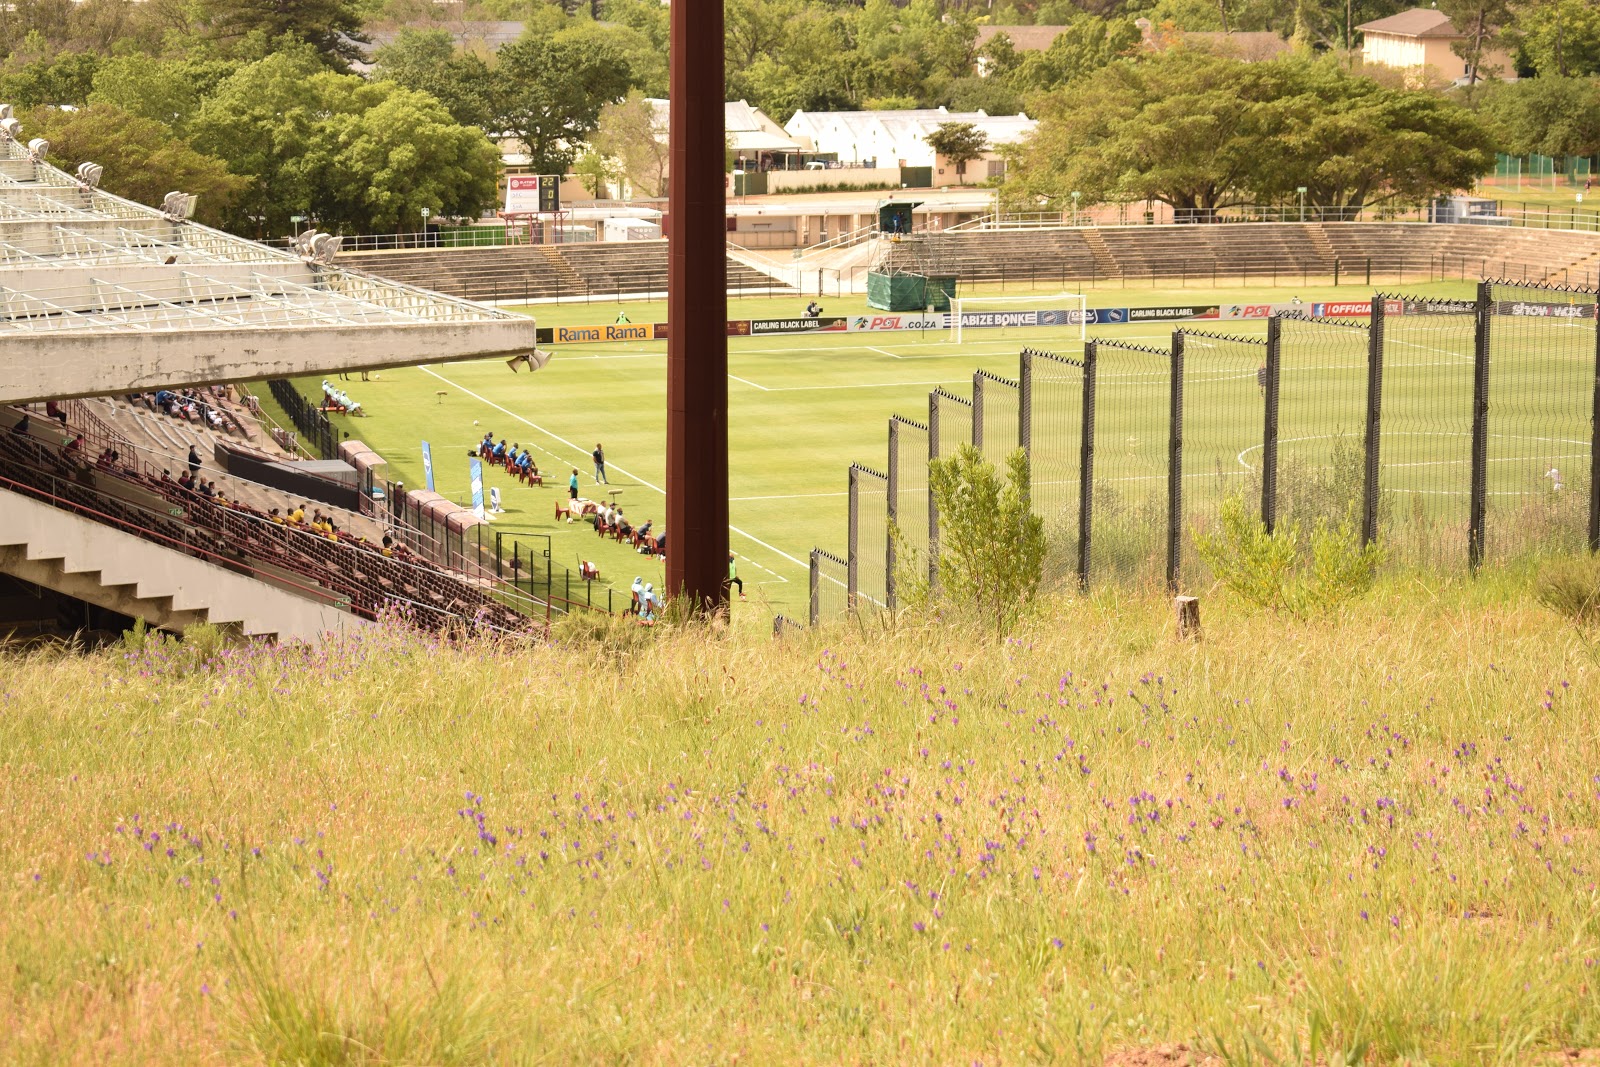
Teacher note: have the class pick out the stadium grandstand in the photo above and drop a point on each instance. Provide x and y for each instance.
(133, 504)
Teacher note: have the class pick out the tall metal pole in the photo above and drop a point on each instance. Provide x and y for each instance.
(697, 310)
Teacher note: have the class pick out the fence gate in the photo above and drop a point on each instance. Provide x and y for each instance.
(1130, 527)
(1223, 393)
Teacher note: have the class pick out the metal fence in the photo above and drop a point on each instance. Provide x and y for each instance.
(316, 432)
(1452, 433)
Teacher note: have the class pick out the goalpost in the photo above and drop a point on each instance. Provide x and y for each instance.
(1005, 314)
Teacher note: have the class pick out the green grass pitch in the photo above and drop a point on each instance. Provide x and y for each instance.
(803, 408)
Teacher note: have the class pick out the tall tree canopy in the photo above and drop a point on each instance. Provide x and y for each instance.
(1201, 132)
(549, 89)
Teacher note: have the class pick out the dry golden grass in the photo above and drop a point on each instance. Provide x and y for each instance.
(1373, 834)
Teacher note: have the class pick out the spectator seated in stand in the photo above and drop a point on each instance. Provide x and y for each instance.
(57, 412)
(23, 426)
(73, 449)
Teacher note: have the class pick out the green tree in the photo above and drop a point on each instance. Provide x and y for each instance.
(1182, 127)
(635, 134)
(548, 92)
(428, 61)
(168, 91)
(1548, 116)
(1481, 22)
(143, 159)
(60, 78)
(959, 143)
(332, 27)
(1352, 142)
(261, 120)
(382, 152)
(991, 546)
(1086, 45)
(596, 172)
(1560, 37)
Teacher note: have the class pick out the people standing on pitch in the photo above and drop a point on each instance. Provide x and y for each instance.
(599, 457)
(572, 485)
(194, 462)
(733, 576)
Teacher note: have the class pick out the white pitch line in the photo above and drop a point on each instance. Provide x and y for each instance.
(555, 436)
(746, 381)
(883, 352)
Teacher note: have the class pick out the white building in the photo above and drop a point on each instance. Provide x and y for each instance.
(900, 138)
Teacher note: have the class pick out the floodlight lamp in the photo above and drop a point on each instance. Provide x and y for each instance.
(89, 174)
(5, 111)
(10, 129)
(38, 148)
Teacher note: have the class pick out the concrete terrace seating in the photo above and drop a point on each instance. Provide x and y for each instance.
(542, 272)
(1231, 252)
(992, 256)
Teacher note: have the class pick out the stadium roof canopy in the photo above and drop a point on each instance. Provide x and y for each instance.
(102, 295)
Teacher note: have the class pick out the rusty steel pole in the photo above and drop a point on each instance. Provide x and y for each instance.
(697, 311)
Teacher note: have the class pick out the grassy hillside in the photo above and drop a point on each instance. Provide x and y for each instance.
(1374, 831)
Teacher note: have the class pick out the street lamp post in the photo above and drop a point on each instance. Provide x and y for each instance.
(1075, 195)
(425, 213)
(295, 221)
(1302, 191)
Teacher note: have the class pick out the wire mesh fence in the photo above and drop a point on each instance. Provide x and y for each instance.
(1131, 430)
(868, 549)
(1425, 470)
(1542, 390)
(1224, 390)
(830, 577)
(1321, 422)
(908, 504)
(1052, 407)
(996, 417)
(1448, 431)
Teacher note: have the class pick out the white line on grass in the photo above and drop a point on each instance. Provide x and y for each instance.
(884, 352)
(746, 381)
(581, 452)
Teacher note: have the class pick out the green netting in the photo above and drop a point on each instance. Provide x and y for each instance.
(909, 292)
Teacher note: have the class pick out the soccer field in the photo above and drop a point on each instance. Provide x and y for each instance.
(803, 408)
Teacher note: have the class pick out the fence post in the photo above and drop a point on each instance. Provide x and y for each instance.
(977, 411)
(933, 505)
(1175, 461)
(852, 547)
(894, 515)
(815, 572)
(1480, 428)
(1369, 487)
(1594, 445)
(1269, 430)
(1086, 465)
(1025, 412)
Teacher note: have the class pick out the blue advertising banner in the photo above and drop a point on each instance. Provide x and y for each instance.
(477, 488)
(427, 466)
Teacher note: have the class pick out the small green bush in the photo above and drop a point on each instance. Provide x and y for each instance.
(1272, 571)
(1571, 587)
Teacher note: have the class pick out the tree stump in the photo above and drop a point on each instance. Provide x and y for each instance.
(1188, 612)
